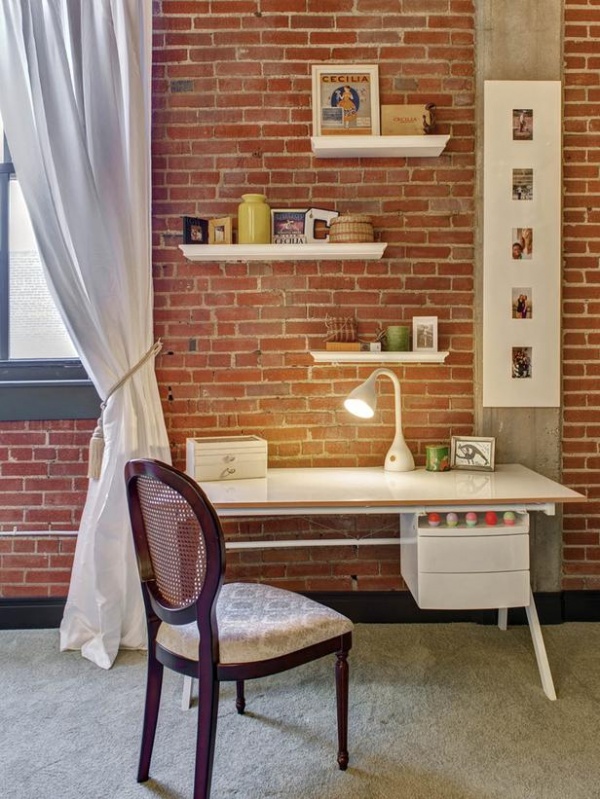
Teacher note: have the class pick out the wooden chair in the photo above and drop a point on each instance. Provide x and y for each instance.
(202, 628)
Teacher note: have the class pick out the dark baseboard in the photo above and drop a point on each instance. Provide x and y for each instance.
(31, 614)
(369, 607)
(581, 605)
(399, 607)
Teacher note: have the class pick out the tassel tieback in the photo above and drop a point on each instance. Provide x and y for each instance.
(96, 448)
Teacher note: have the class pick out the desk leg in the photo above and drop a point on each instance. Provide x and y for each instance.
(503, 618)
(186, 696)
(540, 649)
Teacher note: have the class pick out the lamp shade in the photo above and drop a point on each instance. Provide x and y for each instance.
(362, 402)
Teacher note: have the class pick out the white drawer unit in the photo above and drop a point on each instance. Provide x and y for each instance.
(460, 566)
(226, 457)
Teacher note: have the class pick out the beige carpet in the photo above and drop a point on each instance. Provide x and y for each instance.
(452, 711)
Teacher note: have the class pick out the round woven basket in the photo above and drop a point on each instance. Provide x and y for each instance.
(350, 228)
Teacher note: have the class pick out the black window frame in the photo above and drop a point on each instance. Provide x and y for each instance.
(35, 389)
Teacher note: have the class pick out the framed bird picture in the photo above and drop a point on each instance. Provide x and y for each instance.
(472, 452)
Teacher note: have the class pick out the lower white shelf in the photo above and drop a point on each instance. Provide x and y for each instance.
(333, 356)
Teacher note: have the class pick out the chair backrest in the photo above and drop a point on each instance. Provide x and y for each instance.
(178, 542)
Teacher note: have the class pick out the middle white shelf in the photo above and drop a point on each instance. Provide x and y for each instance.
(344, 356)
(324, 251)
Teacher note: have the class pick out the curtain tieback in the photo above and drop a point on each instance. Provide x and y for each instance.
(97, 440)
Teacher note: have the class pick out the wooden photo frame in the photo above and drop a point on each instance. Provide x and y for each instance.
(345, 100)
(195, 230)
(220, 230)
(473, 453)
(425, 333)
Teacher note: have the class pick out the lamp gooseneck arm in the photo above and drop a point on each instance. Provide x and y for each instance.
(399, 458)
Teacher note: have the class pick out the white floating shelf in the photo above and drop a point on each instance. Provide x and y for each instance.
(344, 356)
(427, 146)
(284, 252)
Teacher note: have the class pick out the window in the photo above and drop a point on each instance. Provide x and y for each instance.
(41, 376)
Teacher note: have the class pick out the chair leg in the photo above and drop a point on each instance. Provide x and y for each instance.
(240, 699)
(186, 694)
(341, 690)
(208, 708)
(153, 691)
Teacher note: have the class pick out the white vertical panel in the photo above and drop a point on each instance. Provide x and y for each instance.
(540, 273)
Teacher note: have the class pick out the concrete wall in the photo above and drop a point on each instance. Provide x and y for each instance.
(519, 40)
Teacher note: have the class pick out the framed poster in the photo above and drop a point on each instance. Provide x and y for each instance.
(521, 244)
(345, 100)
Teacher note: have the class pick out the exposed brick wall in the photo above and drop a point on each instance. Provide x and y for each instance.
(232, 114)
(232, 100)
(43, 467)
(581, 292)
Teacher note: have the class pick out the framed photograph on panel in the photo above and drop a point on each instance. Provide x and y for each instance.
(472, 452)
(345, 100)
(195, 231)
(220, 231)
(425, 333)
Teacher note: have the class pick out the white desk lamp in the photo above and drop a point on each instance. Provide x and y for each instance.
(362, 402)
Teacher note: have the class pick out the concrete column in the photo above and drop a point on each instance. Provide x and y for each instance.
(519, 40)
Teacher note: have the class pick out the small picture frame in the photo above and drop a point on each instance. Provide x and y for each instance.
(195, 231)
(220, 230)
(475, 453)
(288, 225)
(425, 333)
(345, 100)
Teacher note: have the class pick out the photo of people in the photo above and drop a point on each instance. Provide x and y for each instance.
(522, 124)
(522, 304)
(521, 362)
(522, 184)
(522, 243)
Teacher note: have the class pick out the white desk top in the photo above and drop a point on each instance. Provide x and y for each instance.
(373, 490)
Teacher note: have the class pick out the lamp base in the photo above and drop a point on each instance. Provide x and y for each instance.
(399, 458)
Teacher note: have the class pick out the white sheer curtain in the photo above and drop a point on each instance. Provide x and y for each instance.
(75, 100)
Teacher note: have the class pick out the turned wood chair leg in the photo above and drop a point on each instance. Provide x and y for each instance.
(240, 699)
(208, 708)
(153, 692)
(341, 690)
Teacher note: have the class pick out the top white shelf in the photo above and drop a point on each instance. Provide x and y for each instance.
(284, 252)
(378, 146)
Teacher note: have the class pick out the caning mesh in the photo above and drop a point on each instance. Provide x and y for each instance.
(175, 541)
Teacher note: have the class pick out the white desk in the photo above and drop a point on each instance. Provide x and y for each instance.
(298, 492)
(493, 562)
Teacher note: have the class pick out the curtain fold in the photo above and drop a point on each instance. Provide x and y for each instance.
(75, 101)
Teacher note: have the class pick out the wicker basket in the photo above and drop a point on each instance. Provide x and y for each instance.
(346, 229)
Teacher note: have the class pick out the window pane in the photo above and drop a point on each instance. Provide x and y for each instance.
(35, 327)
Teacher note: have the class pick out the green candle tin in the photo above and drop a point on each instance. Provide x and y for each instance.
(437, 458)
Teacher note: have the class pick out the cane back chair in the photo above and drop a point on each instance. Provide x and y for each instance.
(204, 628)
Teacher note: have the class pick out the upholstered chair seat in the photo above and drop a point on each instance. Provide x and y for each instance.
(258, 622)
